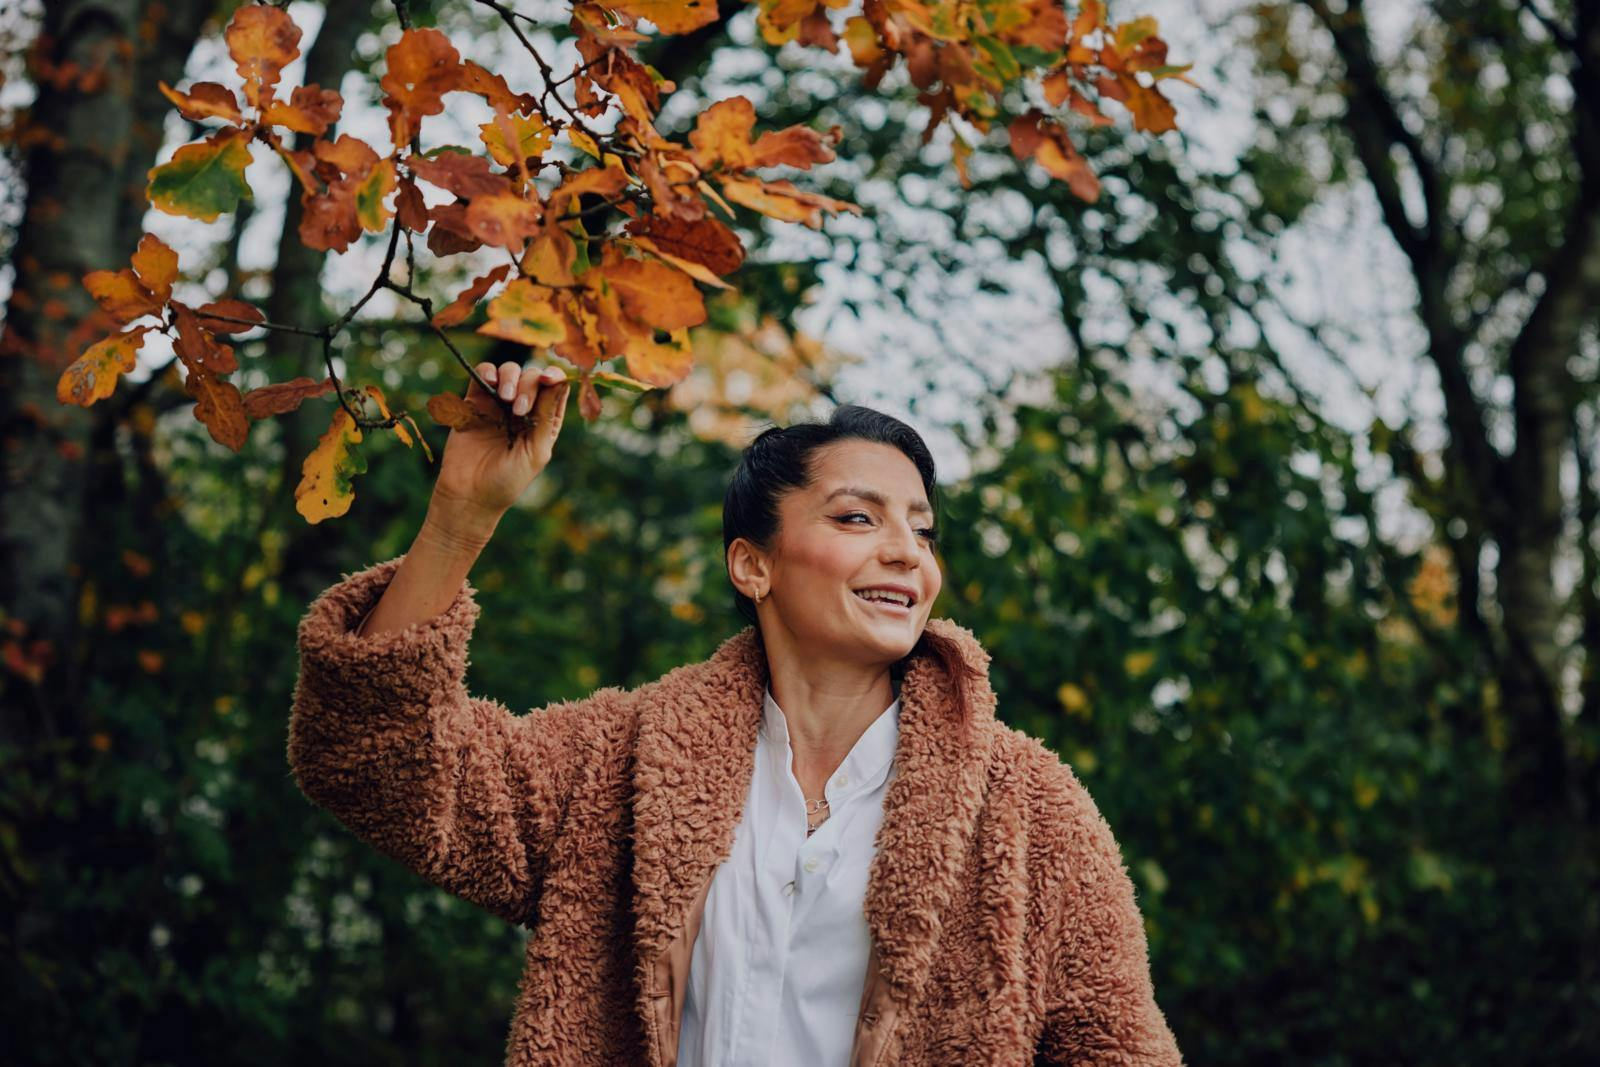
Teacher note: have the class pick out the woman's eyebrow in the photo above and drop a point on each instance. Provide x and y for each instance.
(874, 496)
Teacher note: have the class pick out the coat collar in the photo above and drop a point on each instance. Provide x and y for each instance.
(693, 762)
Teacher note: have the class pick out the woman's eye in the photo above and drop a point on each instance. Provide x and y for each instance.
(929, 532)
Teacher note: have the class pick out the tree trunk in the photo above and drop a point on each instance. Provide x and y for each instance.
(83, 212)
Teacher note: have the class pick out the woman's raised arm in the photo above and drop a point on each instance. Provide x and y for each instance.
(383, 733)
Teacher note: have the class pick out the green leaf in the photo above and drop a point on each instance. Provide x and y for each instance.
(203, 180)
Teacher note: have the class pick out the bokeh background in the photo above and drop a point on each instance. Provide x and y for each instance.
(1269, 483)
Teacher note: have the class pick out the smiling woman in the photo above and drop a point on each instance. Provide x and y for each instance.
(817, 847)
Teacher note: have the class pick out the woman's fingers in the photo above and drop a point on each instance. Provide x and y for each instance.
(509, 373)
(532, 384)
(552, 401)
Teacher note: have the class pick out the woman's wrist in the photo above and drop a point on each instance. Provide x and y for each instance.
(456, 523)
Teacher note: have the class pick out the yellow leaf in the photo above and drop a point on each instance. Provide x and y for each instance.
(522, 314)
(325, 489)
(93, 375)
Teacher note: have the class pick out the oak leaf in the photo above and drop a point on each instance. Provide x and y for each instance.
(422, 66)
(280, 398)
(93, 375)
(204, 179)
(220, 407)
(521, 313)
(783, 201)
(325, 489)
(204, 100)
(456, 312)
(262, 41)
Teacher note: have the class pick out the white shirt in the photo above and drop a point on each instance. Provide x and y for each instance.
(777, 970)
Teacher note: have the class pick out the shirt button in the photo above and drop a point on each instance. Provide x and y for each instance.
(812, 864)
(842, 781)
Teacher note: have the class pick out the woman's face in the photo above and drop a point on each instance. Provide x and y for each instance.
(863, 522)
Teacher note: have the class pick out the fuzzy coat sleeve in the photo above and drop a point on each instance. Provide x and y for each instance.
(384, 735)
(1100, 1006)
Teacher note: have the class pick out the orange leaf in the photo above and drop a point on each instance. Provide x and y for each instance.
(493, 88)
(705, 242)
(522, 314)
(466, 176)
(549, 257)
(670, 16)
(156, 265)
(93, 375)
(456, 312)
(608, 180)
(121, 295)
(282, 397)
(262, 41)
(722, 135)
(219, 407)
(204, 100)
(422, 66)
(783, 201)
(1035, 136)
(503, 219)
(311, 109)
(215, 316)
(655, 293)
(198, 348)
(458, 413)
(657, 362)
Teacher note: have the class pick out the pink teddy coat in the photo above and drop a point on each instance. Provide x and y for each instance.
(1003, 922)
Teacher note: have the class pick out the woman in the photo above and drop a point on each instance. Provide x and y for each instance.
(818, 846)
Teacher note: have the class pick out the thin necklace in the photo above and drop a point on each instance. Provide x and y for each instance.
(814, 807)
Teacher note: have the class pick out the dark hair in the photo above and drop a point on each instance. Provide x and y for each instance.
(779, 461)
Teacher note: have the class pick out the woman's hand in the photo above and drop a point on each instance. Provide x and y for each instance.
(481, 475)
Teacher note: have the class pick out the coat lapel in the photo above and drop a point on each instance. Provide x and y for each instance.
(693, 762)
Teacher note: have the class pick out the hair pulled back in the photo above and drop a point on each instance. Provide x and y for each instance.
(780, 461)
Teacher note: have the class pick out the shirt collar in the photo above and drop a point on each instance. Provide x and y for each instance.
(867, 761)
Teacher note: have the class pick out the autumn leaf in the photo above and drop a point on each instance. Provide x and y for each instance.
(220, 407)
(533, 138)
(783, 201)
(702, 248)
(522, 314)
(204, 100)
(456, 312)
(156, 265)
(93, 375)
(458, 413)
(654, 293)
(198, 348)
(218, 316)
(370, 193)
(662, 363)
(670, 16)
(121, 295)
(204, 179)
(721, 135)
(280, 398)
(466, 176)
(503, 219)
(325, 489)
(422, 66)
(311, 109)
(262, 41)
(1043, 139)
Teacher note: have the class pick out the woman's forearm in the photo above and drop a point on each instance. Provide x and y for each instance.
(428, 578)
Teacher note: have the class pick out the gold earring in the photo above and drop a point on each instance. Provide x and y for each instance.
(759, 596)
